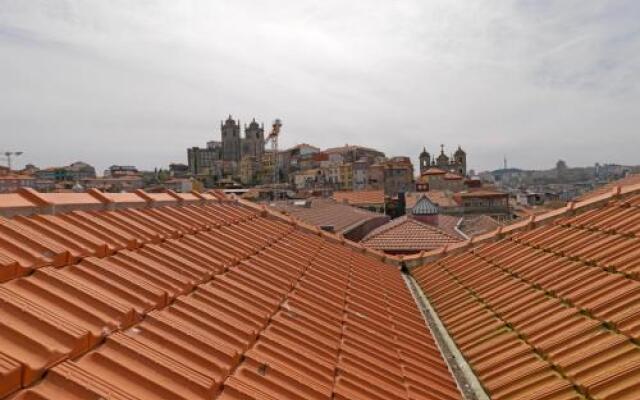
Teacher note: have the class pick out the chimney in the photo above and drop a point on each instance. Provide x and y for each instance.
(402, 203)
(328, 228)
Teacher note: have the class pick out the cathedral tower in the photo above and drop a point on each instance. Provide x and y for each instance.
(253, 142)
(425, 160)
(230, 131)
(460, 160)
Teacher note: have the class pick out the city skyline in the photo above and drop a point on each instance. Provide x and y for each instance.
(433, 148)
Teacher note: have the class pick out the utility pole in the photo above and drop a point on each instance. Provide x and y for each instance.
(9, 155)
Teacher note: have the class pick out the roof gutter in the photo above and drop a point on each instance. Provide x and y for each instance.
(468, 383)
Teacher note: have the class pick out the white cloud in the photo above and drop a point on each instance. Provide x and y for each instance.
(139, 82)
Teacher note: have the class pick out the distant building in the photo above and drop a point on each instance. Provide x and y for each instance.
(224, 158)
(10, 182)
(352, 153)
(457, 163)
(360, 169)
(75, 172)
(345, 173)
(375, 177)
(488, 202)
(308, 179)
(205, 161)
(116, 171)
(179, 185)
(249, 168)
(124, 183)
(234, 147)
(177, 170)
(398, 176)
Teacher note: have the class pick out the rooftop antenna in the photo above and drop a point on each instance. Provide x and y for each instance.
(505, 161)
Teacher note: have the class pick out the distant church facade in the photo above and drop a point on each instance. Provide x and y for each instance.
(225, 158)
(456, 163)
(235, 147)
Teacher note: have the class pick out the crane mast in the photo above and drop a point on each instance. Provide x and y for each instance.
(273, 140)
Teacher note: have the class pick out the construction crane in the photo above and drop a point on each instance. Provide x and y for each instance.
(273, 139)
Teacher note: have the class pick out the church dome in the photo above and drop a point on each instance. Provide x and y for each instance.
(254, 124)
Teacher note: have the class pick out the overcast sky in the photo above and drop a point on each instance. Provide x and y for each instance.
(137, 82)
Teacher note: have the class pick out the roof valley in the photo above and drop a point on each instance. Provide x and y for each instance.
(466, 380)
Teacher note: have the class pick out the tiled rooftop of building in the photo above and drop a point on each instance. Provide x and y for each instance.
(326, 212)
(548, 311)
(633, 179)
(442, 198)
(478, 225)
(453, 176)
(202, 298)
(481, 193)
(434, 171)
(406, 234)
(368, 197)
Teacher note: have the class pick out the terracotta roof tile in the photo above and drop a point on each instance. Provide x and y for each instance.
(343, 218)
(434, 171)
(633, 179)
(477, 225)
(371, 197)
(201, 301)
(550, 312)
(440, 197)
(406, 234)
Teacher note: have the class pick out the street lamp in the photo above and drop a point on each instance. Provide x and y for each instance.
(9, 155)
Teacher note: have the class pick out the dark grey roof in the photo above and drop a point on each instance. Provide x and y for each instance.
(424, 206)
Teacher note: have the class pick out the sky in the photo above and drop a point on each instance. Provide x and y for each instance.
(138, 82)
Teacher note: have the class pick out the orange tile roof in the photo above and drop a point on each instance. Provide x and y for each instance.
(452, 176)
(534, 220)
(477, 225)
(434, 171)
(633, 179)
(439, 197)
(449, 224)
(549, 312)
(216, 300)
(369, 197)
(406, 234)
(28, 201)
(482, 193)
(325, 212)
(13, 177)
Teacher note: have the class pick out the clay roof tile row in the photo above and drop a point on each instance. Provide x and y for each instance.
(551, 312)
(342, 217)
(410, 235)
(215, 300)
(360, 198)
